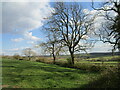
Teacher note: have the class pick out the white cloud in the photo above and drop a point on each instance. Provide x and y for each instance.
(22, 17)
(12, 51)
(29, 36)
(99, 17)
(17, 40)
(101, 47)
(86, 11)
(30, 42)
(24, 1)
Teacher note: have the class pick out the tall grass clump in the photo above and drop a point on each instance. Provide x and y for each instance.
(109, 79)
(44, 60)
(69, 61)
(90, 67)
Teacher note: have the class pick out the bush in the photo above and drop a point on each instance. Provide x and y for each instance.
(78, 59)
(109, 78)
(62, 64)
(7, 57)
(90, 67)
(40, 59)
(20, 59)
(69, 61)
(82, 66)
(16, 56)
(95, 68)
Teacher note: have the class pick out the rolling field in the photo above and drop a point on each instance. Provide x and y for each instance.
(104, 60)
(28, 74)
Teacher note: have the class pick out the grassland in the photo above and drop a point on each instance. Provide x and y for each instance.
(31, 74)
(28, 74)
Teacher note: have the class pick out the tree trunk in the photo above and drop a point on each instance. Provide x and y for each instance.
(29, 58)
(71, 50)
(72, 57)
(53, 52)
(54, 59)
(112, 52)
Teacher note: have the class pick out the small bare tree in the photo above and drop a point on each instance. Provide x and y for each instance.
(29, 53)
(53, 45)
(16, 56)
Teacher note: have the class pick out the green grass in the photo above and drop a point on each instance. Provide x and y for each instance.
(103, 58)
(106, 60)
(28, 74)
(110, 63)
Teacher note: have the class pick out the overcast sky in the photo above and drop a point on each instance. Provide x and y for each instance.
(22, 26)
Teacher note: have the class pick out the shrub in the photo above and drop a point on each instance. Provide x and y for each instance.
(40, 59)
(69, 61)
(7, 57)
(109, 78)
(20, 59)
(16, 56)
(89, 67)
(63, 64)
(81, 66)
(95, 68)
(78, 59)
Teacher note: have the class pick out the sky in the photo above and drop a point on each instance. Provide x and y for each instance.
(22, 26)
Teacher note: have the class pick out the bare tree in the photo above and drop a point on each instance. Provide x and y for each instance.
(53, 44)
(73, 26)
(29, 52)
(16, 56)
(110, 31)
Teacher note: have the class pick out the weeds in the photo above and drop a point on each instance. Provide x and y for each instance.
(109, 78)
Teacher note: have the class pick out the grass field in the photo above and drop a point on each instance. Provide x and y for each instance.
(28, 74)
(108, 60)
(31, 74)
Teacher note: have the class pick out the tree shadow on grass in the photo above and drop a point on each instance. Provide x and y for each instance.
(19, 66)
(109, 80)
(55, 68)
(41, 71)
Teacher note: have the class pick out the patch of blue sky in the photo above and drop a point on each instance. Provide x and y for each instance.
(39, 32)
